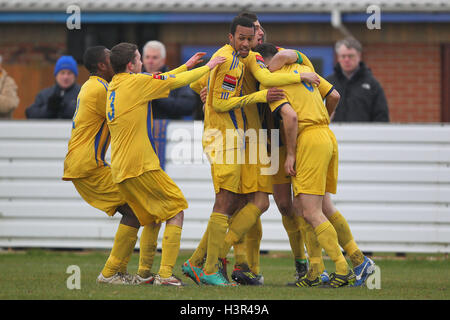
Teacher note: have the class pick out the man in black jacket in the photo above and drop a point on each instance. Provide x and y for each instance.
(362, 97)
(60, 100)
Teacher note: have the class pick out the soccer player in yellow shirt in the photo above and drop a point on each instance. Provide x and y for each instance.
(254, 182)
(294, 226)
(86, 167)
(312, 162)
(224, 114)
(135, 167)
(246, 251)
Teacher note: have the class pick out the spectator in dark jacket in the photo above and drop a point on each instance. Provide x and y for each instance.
(362, 97)
(60, 100)
(182, 102)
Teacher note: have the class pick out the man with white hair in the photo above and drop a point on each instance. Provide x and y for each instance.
(181, 102)
(8, 94)
(154, 56)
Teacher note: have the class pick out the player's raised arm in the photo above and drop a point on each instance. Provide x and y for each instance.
(159, 86)
(256, 65)
(282, 58)
(255, 62)
(195, 60)
(185, 78)
(192, 62)
(227, 104)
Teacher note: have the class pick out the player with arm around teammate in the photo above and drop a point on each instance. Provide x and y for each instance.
(312, 161)
(149, 191)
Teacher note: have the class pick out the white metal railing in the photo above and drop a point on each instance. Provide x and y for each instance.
(394, 188)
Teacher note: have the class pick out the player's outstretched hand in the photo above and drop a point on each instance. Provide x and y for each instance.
(310, 77)
(274, 94)
(203, 94)
(194, 60)
(215, 62)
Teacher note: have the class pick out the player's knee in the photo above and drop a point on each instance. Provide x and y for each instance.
(226, 202)
(128, 216)
(262, 202)
(177, 220)
(296, 208)
(224, 207)
(328, 207)
(285, 208)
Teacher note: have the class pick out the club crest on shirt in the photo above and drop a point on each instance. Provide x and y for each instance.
(229, 83)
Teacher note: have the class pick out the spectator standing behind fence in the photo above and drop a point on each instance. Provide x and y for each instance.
(60, 100)
(8, 94)
(362, 97)
(182, 102)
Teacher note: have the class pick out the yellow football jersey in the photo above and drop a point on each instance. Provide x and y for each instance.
(130, 120)
(305, 99)
(250, 84)
(224, 101)
(90, 137)
(324, 86)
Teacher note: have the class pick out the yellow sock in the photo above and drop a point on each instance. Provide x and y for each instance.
(253, 244)
(226, 247)
(327, 237)
(242, 222)
(240, 253)
(345, 238)
(314, 252)
(292, 227)
(124, 242)
(315, 268)
(302, 226)
(124, 265)
(170, 249)
(198, 257)
(147, 248)
(217, 225)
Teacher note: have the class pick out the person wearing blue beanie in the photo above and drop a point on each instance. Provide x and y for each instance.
(60, 100)
(66, 63)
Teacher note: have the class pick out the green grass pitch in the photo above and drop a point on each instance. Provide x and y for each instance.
(41, 274)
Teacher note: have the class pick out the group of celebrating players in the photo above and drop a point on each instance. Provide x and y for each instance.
(247, 85)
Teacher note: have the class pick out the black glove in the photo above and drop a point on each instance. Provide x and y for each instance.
(54, 102)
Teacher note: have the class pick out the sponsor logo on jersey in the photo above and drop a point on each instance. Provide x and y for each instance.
(159, 77)
(229, 83)
(260, 61)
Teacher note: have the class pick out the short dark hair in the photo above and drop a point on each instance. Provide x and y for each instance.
(266, 50)
(121, 55)
(241, 21)
(249, 15)
(93, 56)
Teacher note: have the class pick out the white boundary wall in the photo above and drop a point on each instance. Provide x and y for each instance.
(394, 188)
